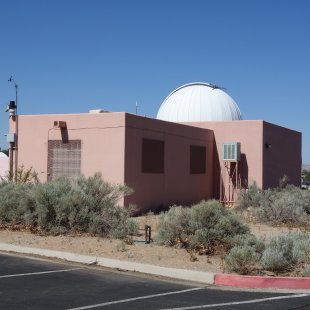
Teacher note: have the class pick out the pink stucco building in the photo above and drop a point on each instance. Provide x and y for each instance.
(164, 161)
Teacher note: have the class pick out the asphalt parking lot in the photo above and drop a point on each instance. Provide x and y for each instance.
(27, 283)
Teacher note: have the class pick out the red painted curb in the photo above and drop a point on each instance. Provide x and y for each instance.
(262, 282)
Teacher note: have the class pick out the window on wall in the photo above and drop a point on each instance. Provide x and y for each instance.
(63, 159)
(153, 153)
(197, 159)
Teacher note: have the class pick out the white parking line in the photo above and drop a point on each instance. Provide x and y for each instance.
(253, 301)
(135, 298)
(36, 273)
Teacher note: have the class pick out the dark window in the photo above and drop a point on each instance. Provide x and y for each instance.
(197, 159)
(153, 153)
(63, 159)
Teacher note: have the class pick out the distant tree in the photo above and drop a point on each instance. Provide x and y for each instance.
(306, 175)
(5, 152)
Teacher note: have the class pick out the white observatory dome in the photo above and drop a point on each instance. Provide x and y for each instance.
(4, 165)
(198, 102)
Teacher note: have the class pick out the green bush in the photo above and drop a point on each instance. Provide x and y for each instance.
(206, 227)
(242, 259)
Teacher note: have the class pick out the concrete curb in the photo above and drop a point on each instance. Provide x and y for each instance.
(262, 282)
(173, 273)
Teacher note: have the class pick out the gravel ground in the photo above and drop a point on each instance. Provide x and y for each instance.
(137, 252)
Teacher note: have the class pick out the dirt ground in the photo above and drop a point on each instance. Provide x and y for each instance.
(138, 252)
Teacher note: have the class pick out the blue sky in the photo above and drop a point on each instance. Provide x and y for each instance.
(70, 56)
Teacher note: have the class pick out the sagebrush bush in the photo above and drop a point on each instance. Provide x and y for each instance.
(212, 224)
(16, 203)
(282, 207)
(250, 198)
(48, 206)
(242, 259)
(306, 271)
(287, 205)
(173, 226)
(278, 255)
(249, 240)
(287, 252)
(301, 248)
(62, 205)
(204, 227)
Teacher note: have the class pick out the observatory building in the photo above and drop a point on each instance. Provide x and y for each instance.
(198, 147)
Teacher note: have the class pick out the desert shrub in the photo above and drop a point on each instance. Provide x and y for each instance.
(212, 225)
(285, 206)
(300, 197)
(173, 226)
(22, 176)
(48, 207)
(96, 208)
(278, 255)
(84, 205)
(100, 193)
(301, 248)
(62, 205)
(250, 198)
(122, 225)
(16, 203)
(284, 181)
(205, 227)
(242, 259)
(285, 253)
(249, 240)
(26, 176)
(306, 271)
(305, 196)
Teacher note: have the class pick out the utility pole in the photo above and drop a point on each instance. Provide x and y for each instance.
(14, 115)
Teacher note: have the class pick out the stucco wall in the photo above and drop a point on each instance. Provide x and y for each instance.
(281, 155)
(263, 165)
(102, 137)
(176, 184)
(250, 135)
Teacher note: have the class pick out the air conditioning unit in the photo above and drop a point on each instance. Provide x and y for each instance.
(231, 151)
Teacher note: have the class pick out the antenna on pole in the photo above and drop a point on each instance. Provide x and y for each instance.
(11, 80)
(136, 107)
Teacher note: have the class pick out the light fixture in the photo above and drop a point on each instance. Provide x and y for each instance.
(11, 108)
